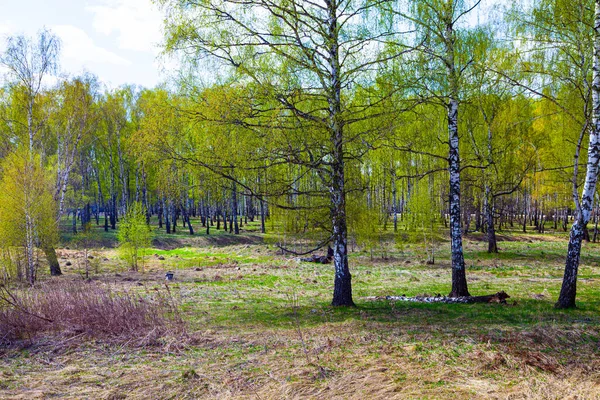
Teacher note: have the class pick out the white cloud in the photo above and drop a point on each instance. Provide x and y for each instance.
(137, 23)
(79, 50)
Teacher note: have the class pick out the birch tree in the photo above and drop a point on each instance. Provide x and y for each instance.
(568, 290)
(446, 56)
(28, 63)
(27, 209)
(76, 119)
(302, 58)
(566, 62)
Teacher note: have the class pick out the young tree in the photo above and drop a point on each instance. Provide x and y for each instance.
(134, 235)
(74, 122)
(28, 63)
(27, 208)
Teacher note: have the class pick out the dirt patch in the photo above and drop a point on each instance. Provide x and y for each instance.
(482, 237)
(219, 240)
(163, 243)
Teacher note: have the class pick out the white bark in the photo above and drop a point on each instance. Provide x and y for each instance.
(459, 281)
(30, 247)
(342, 291)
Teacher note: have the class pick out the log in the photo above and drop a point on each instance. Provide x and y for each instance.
(499, 297)
(320, 259)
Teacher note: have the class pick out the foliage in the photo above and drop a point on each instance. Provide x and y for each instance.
(423, 214)
(27, 212)
(134, 235)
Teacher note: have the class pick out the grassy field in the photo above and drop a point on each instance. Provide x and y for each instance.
(259, 326)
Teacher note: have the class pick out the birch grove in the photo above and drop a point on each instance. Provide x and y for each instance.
(349, 124)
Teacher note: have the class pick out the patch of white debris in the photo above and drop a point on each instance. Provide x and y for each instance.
(422, 299)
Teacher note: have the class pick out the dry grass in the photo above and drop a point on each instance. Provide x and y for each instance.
(348, 361)
(89, 309)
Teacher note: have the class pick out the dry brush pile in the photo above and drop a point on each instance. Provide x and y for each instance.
(88, 309)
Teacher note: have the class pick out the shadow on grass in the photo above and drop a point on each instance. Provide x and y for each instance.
(162, 240)
(444, 317)
(531, 330)
(527, 256)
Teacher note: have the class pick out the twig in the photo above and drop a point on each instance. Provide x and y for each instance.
(12, 300)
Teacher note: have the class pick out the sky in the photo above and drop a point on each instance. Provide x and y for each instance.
(117, 40)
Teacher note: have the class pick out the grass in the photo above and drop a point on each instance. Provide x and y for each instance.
(260, 327)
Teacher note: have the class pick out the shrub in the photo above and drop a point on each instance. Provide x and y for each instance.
(89, 309)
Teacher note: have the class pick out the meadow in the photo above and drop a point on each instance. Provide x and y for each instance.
(257, 324)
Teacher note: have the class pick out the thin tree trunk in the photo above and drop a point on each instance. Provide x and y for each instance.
(52, 259)
(342, 290)
(161, 207)
(596, 225)
(394, 199)
(262, 216)
(489, 213)
(186, 218)
(234, 209)
(122, 177)
(207, 219)
(145, 195)
(166, 214)
(174, 214)
(137, 184)
(30, 248)
(74, 224)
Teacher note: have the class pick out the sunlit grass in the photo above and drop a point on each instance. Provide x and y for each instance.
(261, 326)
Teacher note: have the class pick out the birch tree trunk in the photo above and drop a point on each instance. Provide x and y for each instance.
(395, 199)
(122, 176)
(166, 214)
(568, 290)
(459, 279)
(145, 195)
(342, 290)
(30, 244)
(113, 193)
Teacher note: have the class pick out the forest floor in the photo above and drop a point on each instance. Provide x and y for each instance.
(260, 327)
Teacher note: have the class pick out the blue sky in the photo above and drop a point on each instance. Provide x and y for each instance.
(117, 40)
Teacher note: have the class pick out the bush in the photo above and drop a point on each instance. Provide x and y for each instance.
(89, 309)
(134, 235)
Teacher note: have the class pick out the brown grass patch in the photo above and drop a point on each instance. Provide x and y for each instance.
(88, 309)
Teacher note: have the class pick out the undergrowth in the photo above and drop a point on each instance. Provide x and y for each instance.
(89, 309)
